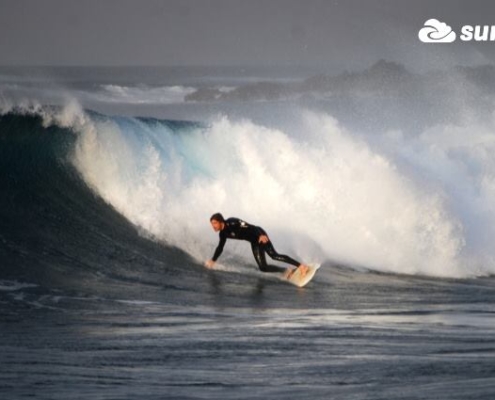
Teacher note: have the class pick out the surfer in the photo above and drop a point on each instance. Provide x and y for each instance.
(234, 228)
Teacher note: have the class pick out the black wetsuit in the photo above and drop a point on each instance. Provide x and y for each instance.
(237, 229)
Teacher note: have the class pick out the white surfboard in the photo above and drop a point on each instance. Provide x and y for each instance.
(299, 280)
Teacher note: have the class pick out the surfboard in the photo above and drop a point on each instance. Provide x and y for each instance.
(298, 280)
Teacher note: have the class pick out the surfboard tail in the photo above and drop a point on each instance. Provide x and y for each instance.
(299, 279)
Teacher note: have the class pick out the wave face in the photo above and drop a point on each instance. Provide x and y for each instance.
(406, 205)
(56, 234)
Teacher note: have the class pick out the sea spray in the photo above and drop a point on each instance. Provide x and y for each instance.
(328, 188)
(391, 202)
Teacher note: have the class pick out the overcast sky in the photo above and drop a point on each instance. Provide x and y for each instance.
(346, 34)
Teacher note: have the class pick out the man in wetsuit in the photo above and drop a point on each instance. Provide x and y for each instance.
(234, 228)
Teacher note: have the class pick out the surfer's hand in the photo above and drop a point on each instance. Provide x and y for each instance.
(263, 239)
(209, 264)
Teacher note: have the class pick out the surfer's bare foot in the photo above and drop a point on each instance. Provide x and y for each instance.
(288, 272)
(304, 269)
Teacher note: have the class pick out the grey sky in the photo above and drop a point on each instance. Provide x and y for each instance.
(338, 33)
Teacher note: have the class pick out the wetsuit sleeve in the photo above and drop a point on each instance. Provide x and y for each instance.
(219, 248)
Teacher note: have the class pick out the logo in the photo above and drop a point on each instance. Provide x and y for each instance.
(435, 31)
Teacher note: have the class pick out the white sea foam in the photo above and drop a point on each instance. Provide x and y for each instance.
(405, 204)
(421, 205)
(12, 286)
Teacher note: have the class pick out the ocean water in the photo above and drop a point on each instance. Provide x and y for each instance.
(109, 176)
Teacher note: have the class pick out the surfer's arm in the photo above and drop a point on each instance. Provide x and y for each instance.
(219, 248)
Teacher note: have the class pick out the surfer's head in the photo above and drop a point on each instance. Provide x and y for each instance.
(217, 222)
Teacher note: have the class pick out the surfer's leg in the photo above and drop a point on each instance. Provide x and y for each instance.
(280, 257)
(259, 256)
(284, 258)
